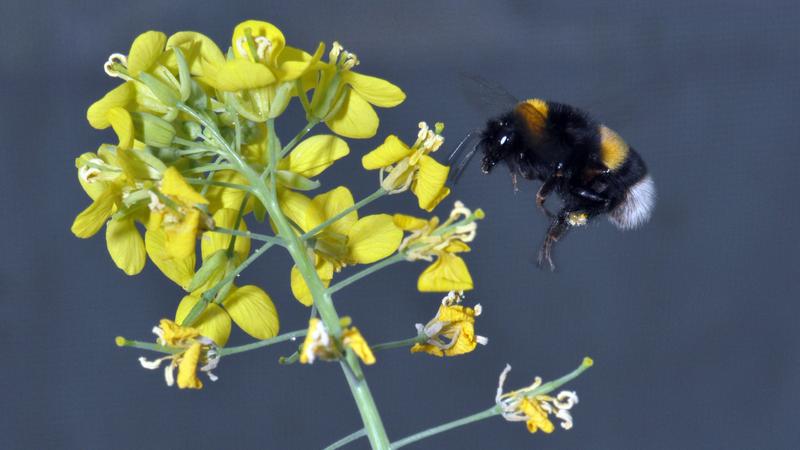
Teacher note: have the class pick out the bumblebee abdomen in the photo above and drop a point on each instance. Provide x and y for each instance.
(613, 149)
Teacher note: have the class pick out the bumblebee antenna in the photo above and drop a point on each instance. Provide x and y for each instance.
(459, 161)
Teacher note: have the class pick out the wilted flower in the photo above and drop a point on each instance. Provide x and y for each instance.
(452, 331)
(319, 344)
(532, 404)
(192, 351)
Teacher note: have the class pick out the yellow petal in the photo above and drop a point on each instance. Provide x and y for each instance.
(123, 96)
(198, 50)
(299, 209)
(315, 154)
(375, 90)
(373, 238)
(91, 219)
(355, 119)
(122, 123)
(125, 245)
(294, 63)
(332, 203)
(220, 197)
(145, 51)
(180, 271)
(213, 323)
(257, 28)
(352, 338)
(300, 288)
(211, 241)
(391, 151)
(409, 223)
(447, 273)
(174, 185)
(181, 236)
(429, 183)
(427, 348)
(239, 74)
(253, 310)
(187, 368)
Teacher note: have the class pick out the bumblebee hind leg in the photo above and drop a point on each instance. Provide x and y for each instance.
(558, 227)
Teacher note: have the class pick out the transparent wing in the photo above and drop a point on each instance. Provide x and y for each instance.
(487, 96)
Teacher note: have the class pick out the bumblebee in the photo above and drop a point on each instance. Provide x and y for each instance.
(588, 165)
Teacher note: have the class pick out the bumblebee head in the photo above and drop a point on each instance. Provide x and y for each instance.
(497, 142)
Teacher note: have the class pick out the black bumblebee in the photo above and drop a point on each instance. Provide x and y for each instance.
(586, 163)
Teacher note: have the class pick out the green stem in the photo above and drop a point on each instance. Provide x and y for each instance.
(267, 195)
(259, 237)
(402, 343)
(557, 383)
(306, 129)
(204, 182)
(266, 342)
(369, 199)
(368, 271)
(347, 439)
(373, 426)
(491, 412)
(122, 342)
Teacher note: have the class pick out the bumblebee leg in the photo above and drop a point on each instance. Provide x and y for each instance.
(558, 227)
(544, 191)
(590, 195)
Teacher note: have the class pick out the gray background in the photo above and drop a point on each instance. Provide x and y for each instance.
(692, 320)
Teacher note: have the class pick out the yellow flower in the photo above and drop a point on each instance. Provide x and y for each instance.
(262, 71)
(428, 240)
(109, 179)
(452, 331)
(343, 99)
(532, 404)
(249, 306)
(402, 167)
(347, 241)
(176, 214)
(319, 344)
(193, 350)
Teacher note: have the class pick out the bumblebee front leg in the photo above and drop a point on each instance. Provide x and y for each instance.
(558, 227)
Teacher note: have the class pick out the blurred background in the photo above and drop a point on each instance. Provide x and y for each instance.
(691, 320)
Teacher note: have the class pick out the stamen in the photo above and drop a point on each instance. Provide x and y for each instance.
(262, 46)
(114, 58)
(156, 205)
(241, 44)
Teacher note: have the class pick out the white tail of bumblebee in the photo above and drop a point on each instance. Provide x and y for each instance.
(637, 207)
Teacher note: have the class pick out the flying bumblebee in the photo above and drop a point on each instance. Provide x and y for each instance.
(591, 168)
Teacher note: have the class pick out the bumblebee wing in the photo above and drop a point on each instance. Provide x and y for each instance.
(486, 96)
